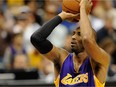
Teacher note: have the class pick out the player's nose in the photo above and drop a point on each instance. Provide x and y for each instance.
(73, 37)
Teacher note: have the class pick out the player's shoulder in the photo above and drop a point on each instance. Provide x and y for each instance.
(63, 54)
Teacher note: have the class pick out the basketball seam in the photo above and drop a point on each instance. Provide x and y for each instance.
(77, 1)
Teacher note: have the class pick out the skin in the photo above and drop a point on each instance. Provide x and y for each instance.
(83, 44)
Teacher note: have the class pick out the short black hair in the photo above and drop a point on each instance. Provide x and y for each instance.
(94, 32)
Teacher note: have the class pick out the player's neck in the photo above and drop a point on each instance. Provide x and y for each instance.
(80, 57)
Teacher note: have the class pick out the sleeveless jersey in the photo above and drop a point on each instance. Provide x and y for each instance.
(69, 78)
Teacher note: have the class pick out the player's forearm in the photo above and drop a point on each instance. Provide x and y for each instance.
(38, 38)
(86, 29)
(48, 27)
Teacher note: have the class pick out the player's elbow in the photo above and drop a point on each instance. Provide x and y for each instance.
(42, 45)
(35, 39)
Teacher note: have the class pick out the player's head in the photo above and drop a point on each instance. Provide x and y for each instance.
(76, 42)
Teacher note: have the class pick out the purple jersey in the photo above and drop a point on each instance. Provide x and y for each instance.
(69, 77)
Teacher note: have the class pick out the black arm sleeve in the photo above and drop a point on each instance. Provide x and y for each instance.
(38, 38)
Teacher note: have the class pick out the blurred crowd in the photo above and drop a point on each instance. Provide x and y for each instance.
(20, 18)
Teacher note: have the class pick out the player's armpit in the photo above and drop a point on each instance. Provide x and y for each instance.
(53, 54)
(58, 54)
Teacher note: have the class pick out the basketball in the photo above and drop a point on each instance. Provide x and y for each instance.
(71, 6)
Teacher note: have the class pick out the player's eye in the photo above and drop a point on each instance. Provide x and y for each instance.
(73, 33)
(79, 33)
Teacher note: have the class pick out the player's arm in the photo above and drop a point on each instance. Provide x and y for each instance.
(38, 39)
(89, 42)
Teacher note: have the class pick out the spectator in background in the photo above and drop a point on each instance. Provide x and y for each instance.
(15, 48)
(26, 23)
(107, 30)
(3, 35)
(31, 27)
(3, 5)
(33, 6)
(21, 23)
(108, 6)
(20, 61)
(35, 59)
(97, 15)
(14, 2)
(47, 70)
(50, 11)
(99, 10)
(114, 3)
(105, 7)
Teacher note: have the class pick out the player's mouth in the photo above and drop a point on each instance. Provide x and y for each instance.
(73, 43)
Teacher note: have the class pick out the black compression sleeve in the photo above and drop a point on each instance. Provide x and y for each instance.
(38, 38)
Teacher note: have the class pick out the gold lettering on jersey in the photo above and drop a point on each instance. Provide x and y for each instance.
(68, 80)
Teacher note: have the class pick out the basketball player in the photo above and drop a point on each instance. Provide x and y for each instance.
(88, 64)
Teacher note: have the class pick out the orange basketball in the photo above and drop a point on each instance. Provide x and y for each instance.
(71, 6)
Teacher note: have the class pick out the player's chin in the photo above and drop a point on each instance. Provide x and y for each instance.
(73, 50)
(73, 47)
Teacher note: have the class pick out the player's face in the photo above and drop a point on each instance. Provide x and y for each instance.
(76, 42)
